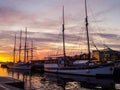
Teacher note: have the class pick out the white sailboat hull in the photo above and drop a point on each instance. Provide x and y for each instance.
(101, 70)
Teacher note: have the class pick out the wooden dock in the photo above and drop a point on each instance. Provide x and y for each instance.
(8, 83)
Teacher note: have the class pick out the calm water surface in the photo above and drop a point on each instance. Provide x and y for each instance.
(48, 81)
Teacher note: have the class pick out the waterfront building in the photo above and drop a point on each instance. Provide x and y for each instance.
(106, 54)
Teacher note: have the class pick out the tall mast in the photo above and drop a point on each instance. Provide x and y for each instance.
(32, 50)
(25, 47)
(86, 20)
(63, 29)
(20, 46)
(27, 55)
(14, 51)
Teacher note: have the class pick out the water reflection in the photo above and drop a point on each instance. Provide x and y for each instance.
(3, 72)
(23, 75)
(50, 81)
(77, 82)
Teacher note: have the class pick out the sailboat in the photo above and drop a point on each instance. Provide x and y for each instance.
(21, 65)
(86, 67)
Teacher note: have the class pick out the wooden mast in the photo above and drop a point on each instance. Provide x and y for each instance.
(25, 47)
(14, 51)
(31, 49)
(27, 55)
(63, 29)
(86, 20)
(20, 46)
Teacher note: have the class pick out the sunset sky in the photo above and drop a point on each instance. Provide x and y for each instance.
(43, 19)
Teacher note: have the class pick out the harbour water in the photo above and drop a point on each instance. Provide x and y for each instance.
(50, 81)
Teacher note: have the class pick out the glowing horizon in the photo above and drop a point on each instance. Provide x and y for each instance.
(43, 18)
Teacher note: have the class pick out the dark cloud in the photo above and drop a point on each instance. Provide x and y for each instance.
(107, 36)
(50, 40)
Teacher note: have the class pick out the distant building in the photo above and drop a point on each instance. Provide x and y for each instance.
(105, 55)
(83, 56)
